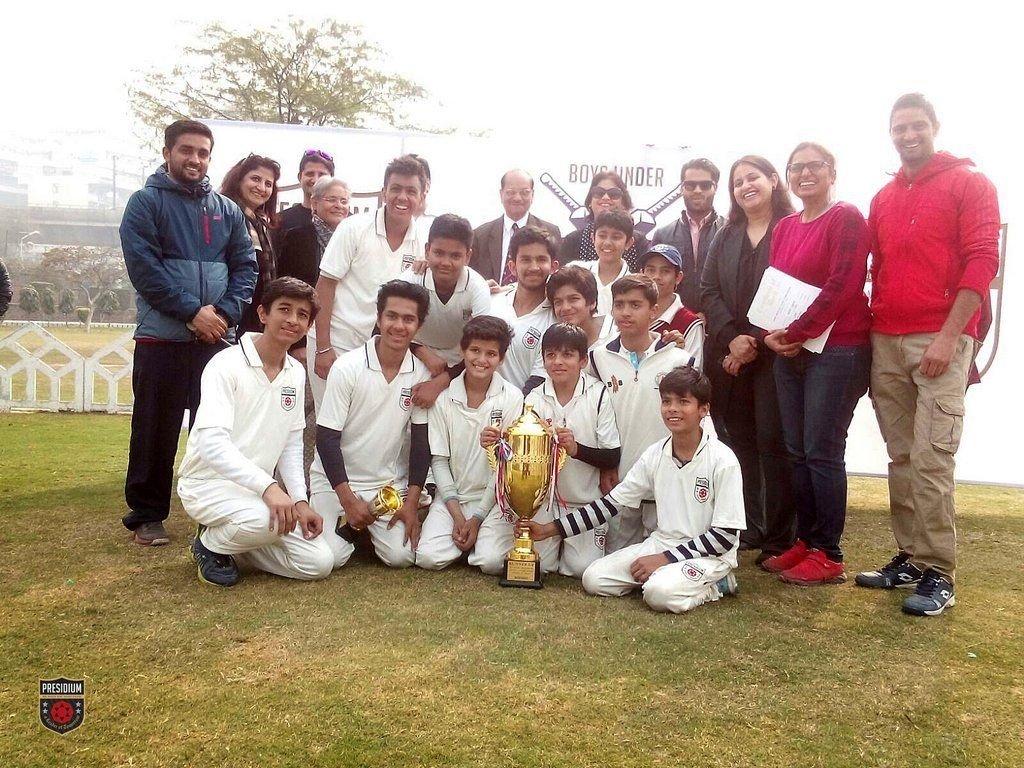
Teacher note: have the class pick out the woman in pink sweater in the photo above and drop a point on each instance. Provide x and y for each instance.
(826, 245)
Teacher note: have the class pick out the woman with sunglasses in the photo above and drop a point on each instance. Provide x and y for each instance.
(607, 193)
(826, 245)
(252, 184)
(744, 405)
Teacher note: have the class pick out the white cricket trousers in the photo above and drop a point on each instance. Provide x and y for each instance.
(238, 523)
(674, 588)
(387, 544)
(436, 549)
(496, 537)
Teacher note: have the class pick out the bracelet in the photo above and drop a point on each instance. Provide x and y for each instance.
(321, 351)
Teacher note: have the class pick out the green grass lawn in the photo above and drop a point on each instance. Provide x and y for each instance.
(379, 668)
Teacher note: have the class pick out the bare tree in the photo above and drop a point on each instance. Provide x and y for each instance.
(287, 72)
(92, 270)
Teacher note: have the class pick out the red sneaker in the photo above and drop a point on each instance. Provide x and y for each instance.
(814, 569)
(791, 557)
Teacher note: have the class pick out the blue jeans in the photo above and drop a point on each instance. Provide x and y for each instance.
(817, 396)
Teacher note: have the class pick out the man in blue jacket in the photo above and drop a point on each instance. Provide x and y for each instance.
(192, 263)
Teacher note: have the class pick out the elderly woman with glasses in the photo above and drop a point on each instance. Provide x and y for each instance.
(252, 184)
(608, 192)
(302, 247)
(825, 245)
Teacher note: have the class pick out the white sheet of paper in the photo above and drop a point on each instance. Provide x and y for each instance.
(781, 299)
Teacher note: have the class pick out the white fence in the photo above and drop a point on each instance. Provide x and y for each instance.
(40, 372)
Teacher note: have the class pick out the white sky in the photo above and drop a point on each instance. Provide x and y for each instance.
(740, 76)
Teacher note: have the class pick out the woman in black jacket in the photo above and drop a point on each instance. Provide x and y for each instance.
(744, 406)
(608, 192)
(252, 184)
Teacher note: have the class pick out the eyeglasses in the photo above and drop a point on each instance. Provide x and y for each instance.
(596, 193)
(813, 166)
(335, 200)
(318, 153)
(703, 186)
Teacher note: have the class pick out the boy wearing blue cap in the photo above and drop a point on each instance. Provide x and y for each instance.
(664, 265)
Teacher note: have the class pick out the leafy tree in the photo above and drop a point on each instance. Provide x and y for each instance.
(286, 72)
(28, 300)
(67, 302)
(95, 271)
(48, 300)
(108, 304)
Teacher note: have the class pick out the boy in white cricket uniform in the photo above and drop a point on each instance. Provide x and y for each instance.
(689, 558)
(613, 236)
(457, 293)
(524, 305)
(664, 265)
(365, 251)
(574, 405)
(579, 408)
(478, 398)
(250, 423)
(631, 366)
(362, 424)
(572, 293)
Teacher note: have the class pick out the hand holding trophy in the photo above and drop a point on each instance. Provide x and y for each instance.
(527, 458)
(387, 501)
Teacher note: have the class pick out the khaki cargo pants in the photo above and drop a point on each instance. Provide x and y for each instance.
(921, 420)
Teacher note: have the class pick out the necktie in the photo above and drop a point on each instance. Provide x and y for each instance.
(508, 276)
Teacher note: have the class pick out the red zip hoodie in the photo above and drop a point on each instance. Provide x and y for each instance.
(932, 236)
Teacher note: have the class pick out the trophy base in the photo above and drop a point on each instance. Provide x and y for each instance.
(525, 573)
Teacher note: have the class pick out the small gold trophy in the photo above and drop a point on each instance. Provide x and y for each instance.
(387, 501)
(527, 458)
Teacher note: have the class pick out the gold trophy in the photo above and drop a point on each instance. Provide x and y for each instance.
(387, 501)
(527, 458)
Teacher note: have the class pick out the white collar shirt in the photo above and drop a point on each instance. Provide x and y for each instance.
(442, 330)
(523, 358)
(359, 258)
(506, 236)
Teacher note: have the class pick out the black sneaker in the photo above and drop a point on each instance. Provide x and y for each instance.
(214, 568)
(934, 594)
(898, 573)
(151, 535)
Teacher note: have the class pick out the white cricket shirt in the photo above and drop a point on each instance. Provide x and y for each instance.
(706, 491)
(373, 416)
(455, 431)
(604, 290)
(634, 392)
(359, 258)
(523, 357)
(590, 416)
(442, 330)
(258, 413)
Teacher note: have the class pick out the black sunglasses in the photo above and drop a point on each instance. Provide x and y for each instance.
(704, 186)
(596, 193)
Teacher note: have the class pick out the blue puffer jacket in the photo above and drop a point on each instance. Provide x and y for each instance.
(185, 248)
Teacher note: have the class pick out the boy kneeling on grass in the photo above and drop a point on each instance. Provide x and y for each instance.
(689, 558)
(477, 399)
(248, 424)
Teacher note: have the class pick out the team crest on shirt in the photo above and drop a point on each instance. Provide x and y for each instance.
(701, 489)
(496, 416)
(532, 337)
(288, 396)
(614, 383)
(405, 398)
(692, 572)
(407, 260)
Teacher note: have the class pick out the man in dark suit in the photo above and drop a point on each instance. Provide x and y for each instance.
(691, 234)
(490, 240)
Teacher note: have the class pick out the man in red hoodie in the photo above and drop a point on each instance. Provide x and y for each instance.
(936, 229)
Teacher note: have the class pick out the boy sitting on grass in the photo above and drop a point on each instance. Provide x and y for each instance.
(580, 412)
(478, 398)
(248, 424)
(690, 557)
